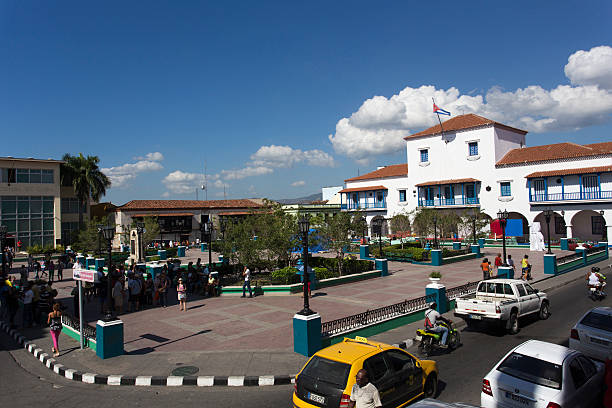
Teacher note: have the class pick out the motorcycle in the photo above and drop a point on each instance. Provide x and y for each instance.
(430, 341)
(596, 292)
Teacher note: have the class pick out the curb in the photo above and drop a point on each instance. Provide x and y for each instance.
(169, 381)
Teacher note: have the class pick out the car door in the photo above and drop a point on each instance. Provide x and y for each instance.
(593, 386)
(533, 298)
(408, 376)
(522, 299)
(381, 375)
(578, 384)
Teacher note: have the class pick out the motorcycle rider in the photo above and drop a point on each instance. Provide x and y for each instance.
(594, 279)
(431, 318)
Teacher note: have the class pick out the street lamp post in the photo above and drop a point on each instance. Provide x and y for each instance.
(3, 230)
(161, 232)
(604, 236)
(222, 226)
(474, 216)
(547, 215)
(378, 223)
(364, 226)
(108, 233)
(502, 216)
(208, 229)
(139, 230)
(304, 225)
(435, 221)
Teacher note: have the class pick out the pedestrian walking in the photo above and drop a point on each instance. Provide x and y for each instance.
(60, 269)
(525, 268)
(182, 295)
(163, 290)
(117, 295)
(54, 320)
(247, 282)
(498, 263)
(28, 297)
(486, 271)
(51, 269)
(134, 289)
(511, 264)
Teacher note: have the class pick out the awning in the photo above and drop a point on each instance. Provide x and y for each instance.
(441, 182)
(161, 215)
(370, 188)
(569, 172)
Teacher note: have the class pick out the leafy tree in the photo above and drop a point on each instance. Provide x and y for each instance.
(151, 232)
(86, 178)
(338, 231)
(422, 222)
(400, 223)
(278, 233)
(471, 219)
(88, 238)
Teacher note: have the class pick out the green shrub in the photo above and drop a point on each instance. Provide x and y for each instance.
(285, 276)
(447, 253)
(324, 273)
(153, 258)
(39, 249)
(435, 274)
(418, 254)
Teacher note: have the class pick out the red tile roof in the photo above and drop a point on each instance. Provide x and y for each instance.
(161, 215)
(395, 170)
(135, 205)
(557, 151)
(441, 182)
(370, 188)
(568, 172)
(463, 122)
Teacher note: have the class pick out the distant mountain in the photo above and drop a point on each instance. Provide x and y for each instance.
(302, 200)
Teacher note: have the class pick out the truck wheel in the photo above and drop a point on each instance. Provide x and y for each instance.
(513, 326)
(544, 311)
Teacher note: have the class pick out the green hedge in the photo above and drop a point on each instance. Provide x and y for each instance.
(39, 249)
(351, 266)
(324, 273)
(285, 276)
(418, 254)
(447, 253)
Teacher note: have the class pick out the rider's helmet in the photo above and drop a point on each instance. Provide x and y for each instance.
(595, 269)
(433, 305)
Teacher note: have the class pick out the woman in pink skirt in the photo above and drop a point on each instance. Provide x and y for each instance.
(54, 320)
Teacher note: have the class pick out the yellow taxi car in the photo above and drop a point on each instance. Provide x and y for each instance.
(328, 376)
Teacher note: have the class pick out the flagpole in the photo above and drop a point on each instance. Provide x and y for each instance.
(441, 127)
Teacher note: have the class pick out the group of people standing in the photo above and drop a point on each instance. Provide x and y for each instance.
(489, 271)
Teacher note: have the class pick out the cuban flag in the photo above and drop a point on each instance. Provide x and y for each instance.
(440, 111)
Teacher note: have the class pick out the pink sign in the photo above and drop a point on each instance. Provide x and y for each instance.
(79, 273)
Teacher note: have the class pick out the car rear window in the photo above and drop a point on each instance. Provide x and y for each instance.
(332, 372)
(598, 321)
(532, 370)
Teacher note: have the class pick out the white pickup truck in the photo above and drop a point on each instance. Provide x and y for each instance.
(502, 302)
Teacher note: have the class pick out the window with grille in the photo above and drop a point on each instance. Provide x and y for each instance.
(424, 156)
(473, 148)
(506, 191)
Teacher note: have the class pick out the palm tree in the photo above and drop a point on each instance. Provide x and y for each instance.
(86, 178)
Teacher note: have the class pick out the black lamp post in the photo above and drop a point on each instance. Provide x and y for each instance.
(3, 229)
(208, 230)
(304, 226)
(364, 227)
(474, 216)
(502, 216)
(222, 226)
(604, 236)
(139, 230)
(378, 225)
(160, 222)
(547, 216)
(99, 240)
(108, 233)
(435, 221)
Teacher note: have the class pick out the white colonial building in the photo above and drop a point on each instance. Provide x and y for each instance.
(474, 162)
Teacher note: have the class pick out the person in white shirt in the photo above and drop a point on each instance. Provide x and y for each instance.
(431, 323)
(247, 282)
(364, 394)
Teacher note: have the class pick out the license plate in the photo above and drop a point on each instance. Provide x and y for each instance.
(599, 341)
(475, 317)
(316, 398)
(517, 398)
(418, 337)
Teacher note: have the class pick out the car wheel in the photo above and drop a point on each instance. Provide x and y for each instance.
(513, 326)
(544, 311)
(430, 390)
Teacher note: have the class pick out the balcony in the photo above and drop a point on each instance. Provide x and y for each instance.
(381, 205)
(448, 202)
(572, 196)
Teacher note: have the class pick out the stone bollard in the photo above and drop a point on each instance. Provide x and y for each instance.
(564, 244)
(99, 263)
(180, 251)
(439, 291)
(80, 259)
(155, 269)
(90, 262)
(456, 246)
(364, 251)
(550, 264)
(162, 254)
(142, 267)
(203, 247)
(306, 334)
(436, 257)
(481, 242)
(109, 339)
(475, 248)
(505, 272)
(382, 266)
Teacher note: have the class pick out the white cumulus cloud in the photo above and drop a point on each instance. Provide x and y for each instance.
(121, 175)
(181, 182)
(248, 171)
(380, 123)
(286, 156)
(299, 183)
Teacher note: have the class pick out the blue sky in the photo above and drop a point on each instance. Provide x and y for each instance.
(282, 98)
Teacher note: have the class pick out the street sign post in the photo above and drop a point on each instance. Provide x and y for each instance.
(80, 274)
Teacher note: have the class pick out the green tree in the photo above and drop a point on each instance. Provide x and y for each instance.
(151, 232)
(86, 178)
(88, 238)
(337, 231)
(473, 222)
(278, 233)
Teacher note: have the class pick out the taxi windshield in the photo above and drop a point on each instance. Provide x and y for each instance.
(332, 372)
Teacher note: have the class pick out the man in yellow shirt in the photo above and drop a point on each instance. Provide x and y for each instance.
(525, 268)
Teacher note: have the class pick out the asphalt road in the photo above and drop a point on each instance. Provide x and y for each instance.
(25, 382)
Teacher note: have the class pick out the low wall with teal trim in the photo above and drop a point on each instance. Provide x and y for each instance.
(298, 287)
(70, 332)
(459, 258)
(581, 263)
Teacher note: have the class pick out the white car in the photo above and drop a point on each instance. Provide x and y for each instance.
(592, 335)
(543, 375)
(432, 403)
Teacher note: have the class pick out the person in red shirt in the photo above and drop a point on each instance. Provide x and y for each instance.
(498, 263)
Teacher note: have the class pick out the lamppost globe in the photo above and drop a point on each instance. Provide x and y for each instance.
(304, 224)
(304, 229)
